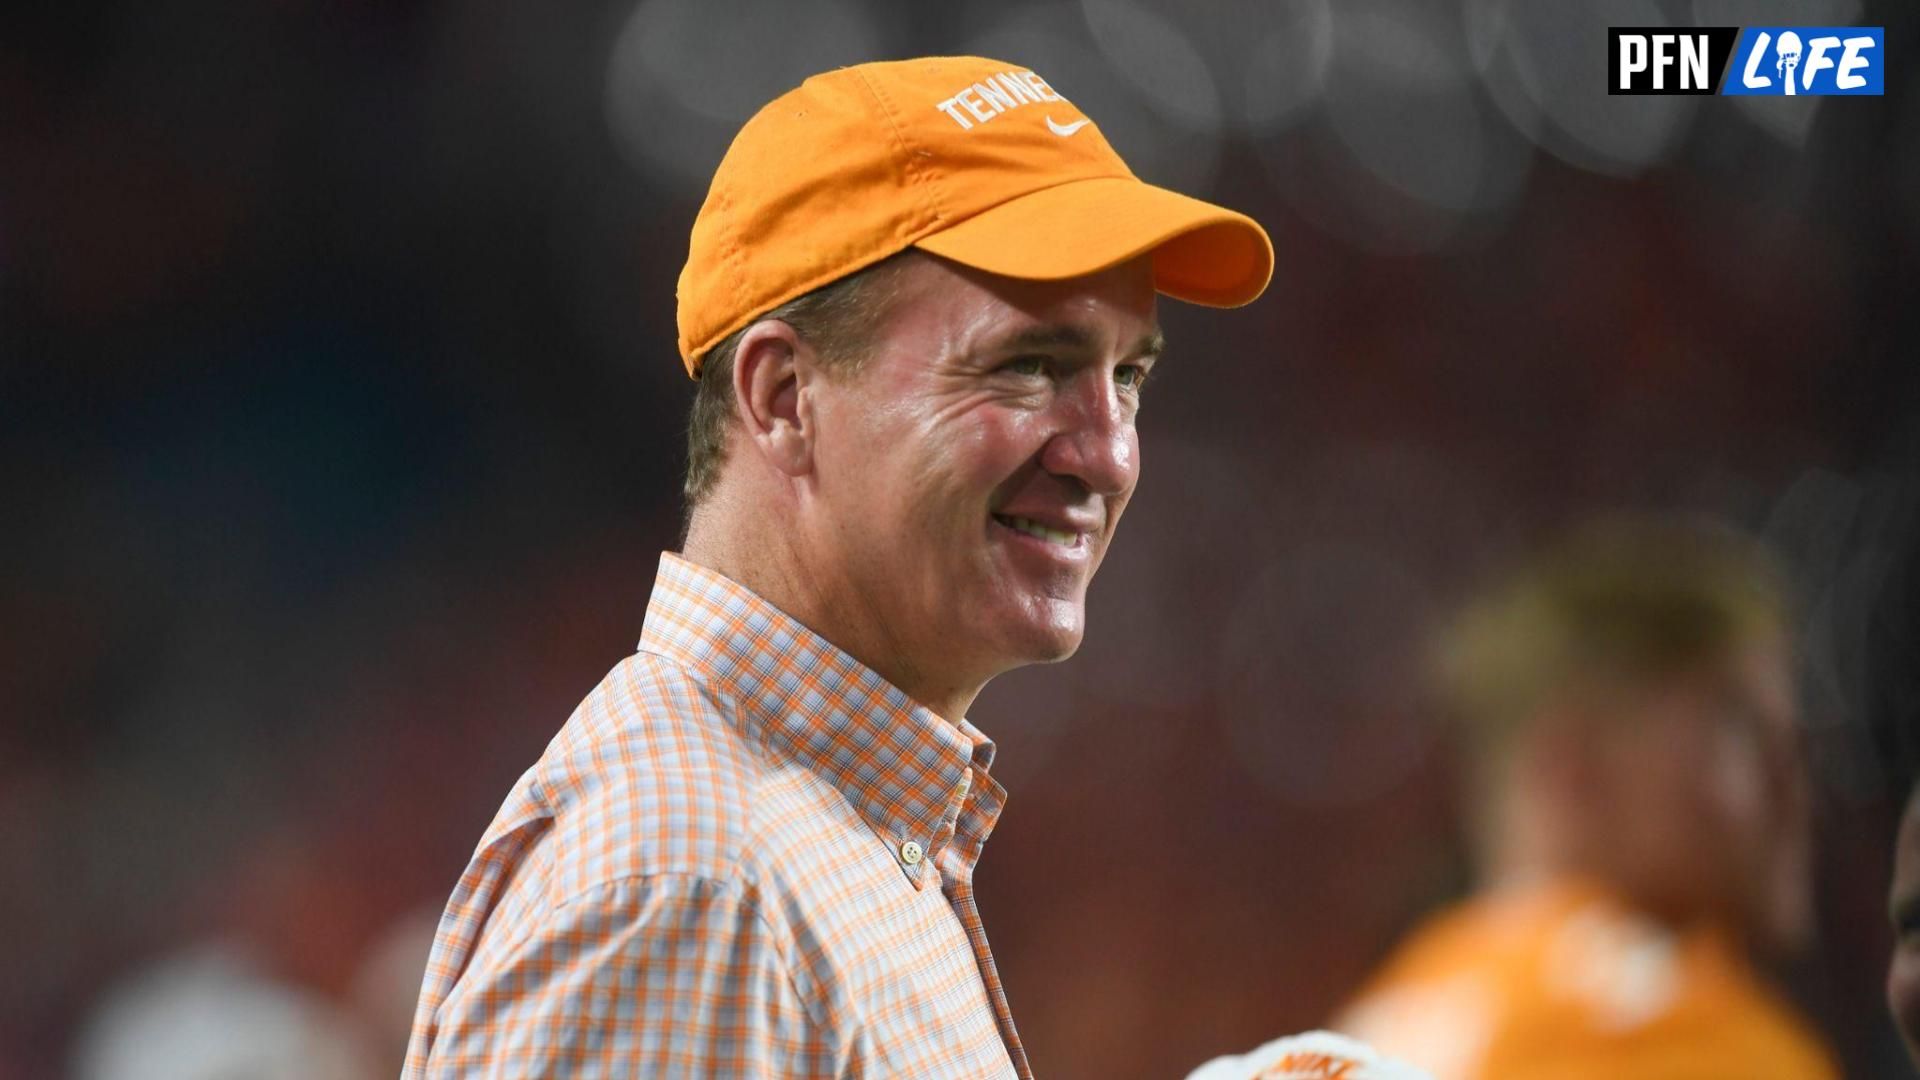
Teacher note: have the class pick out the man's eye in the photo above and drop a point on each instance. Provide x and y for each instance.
(1026, 365)
(1130, 376)
(1906, 920)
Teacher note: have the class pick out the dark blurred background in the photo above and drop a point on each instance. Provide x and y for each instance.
(341, 423)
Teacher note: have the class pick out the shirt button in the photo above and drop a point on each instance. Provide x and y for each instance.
(910, 853)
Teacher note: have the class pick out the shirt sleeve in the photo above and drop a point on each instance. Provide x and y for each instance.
(669, 976)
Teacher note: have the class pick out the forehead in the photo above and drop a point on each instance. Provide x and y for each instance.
(944, 305)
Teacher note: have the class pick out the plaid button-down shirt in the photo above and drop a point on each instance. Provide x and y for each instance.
(712, 871)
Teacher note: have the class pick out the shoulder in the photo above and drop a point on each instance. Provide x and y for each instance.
(655, 773)
(1439, 999)
(1728, 1007)
(1579, 985)
(1656, 1001)
(600, 988)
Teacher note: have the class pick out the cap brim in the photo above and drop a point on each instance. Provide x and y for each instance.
(1202, 253)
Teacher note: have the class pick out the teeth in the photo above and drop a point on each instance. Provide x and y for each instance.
(1034, 528)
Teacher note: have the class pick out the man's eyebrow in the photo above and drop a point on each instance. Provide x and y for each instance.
(1068, 336)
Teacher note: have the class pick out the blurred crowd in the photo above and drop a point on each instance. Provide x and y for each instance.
(341, 427)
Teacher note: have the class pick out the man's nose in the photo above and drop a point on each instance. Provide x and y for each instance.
(1095, 443)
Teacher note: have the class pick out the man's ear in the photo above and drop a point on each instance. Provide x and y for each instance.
(773, 371)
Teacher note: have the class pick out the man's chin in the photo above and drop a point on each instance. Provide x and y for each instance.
(1051, 645)
(1043, 641)
(1055, 655)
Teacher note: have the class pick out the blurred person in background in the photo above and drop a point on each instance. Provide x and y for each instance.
(1639, 820)
(214, 1010)
(1891, 646)
(1903, 906)
(750, 850)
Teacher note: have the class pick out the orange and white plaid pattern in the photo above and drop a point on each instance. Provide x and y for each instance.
(745, 854)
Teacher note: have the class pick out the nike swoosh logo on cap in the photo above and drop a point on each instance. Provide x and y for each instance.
(1063, 130)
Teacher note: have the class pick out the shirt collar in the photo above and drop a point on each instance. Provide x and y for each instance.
(909, 773)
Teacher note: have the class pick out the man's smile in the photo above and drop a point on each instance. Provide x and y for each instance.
(1055, 537)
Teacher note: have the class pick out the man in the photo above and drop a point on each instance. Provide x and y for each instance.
(1641, 825)
(1903, 971)
(1888, 620)
(1890, 661)
(919, 302)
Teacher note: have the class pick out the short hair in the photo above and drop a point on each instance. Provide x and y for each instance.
(1621, 602)
(838, 319)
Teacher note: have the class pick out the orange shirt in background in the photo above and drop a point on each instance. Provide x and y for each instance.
(1563, 981)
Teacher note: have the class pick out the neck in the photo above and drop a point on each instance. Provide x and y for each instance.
(1534, 829)
(1537, 839)
(1522, 848)
(776, 562)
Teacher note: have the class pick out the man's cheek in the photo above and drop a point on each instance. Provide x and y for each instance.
(1903, 991)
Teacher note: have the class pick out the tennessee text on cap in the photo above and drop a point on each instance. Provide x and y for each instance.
(978, 161)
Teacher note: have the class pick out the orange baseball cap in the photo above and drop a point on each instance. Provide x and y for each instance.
(978, 161)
